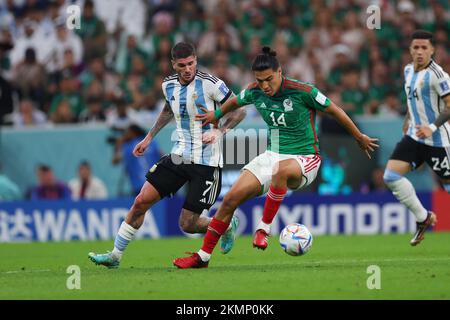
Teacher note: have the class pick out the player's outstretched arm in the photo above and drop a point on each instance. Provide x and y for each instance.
(212, 116)
(163, 119)
(231, 119)
(366, 143)
(426, 131)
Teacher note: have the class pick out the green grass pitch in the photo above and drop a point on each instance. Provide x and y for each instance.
(335, 268)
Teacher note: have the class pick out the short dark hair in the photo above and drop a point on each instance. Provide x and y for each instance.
(266, 60)
(85, 163)
(183, 50)
(422, 34)
(43, 167)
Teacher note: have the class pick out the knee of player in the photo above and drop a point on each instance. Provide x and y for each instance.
(140, 201)
(391, 176)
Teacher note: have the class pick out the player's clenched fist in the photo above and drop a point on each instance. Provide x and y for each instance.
(140, 148)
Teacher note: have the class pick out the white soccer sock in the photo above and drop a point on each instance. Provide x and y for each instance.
(264, 226)
(124, 236)
(404, 191)
(204, 255)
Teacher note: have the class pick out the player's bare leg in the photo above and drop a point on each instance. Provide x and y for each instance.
(286, 174)
(192, 222)
(246, 187)
(133, 221)
(404, 191)
(429, 221)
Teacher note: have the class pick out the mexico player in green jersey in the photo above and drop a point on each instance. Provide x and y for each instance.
(293, 157)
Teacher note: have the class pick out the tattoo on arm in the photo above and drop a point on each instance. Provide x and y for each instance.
(164, 118)
(443, 117)
(233, 118)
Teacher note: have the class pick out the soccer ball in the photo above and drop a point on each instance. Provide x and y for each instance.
(295, 239)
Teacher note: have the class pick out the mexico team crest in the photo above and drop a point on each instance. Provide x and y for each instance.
(287, 104)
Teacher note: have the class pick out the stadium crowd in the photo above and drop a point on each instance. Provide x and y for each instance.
(110, 69)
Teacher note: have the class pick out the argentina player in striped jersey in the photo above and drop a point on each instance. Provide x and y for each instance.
(426, 128)
(196, 158)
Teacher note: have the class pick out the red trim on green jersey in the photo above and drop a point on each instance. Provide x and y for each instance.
(298, 86)
(252, 85)
(311, 118)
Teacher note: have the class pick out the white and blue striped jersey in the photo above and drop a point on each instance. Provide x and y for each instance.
(185, 101)
(425, 91)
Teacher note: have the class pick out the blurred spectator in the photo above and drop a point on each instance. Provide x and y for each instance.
(222, 36)
(254, 25)
(27, 40)
(94, 112)
(192, 22)
(29, 78)
(68, 92)
(127, 51)
(379, 86)
(163, 27)
(135, 167)
(109, 13)
(63, 113)
(406, 10)
(28, 115)
(341, 59)
(391, 106)
(353, 96)
(315, 42)
(69, 63)
(230, 74)
(146, 115)
(92, 32)
(118, 117)
(86, 185)
(133, 17)
(353, 33)
(96, 71)
(63, 40)
(48, 187)
(286, 29)
(136, 84)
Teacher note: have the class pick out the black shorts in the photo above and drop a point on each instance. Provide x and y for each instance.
(204, 186)
(416, 153)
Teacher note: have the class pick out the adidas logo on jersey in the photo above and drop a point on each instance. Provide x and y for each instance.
(203, 200)
(263, 106)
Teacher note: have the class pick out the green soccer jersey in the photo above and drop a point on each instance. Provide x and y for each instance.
(290, 115)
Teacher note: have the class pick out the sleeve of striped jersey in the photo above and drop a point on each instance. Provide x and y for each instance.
(245, 97)
(163, 87)
(220, 92)
(316, 99)
(441, 84)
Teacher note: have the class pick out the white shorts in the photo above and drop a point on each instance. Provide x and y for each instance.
(264, 165)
